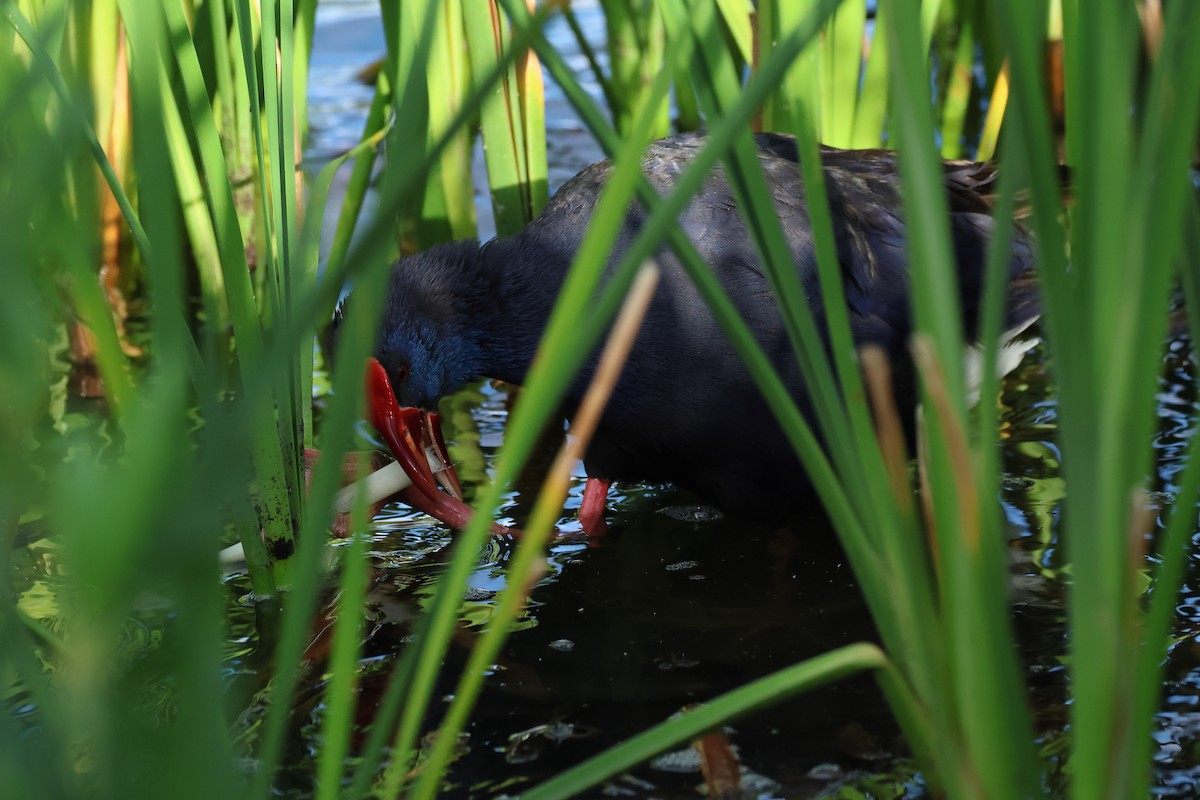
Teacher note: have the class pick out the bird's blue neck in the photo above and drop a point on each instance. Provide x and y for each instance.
(525, 281)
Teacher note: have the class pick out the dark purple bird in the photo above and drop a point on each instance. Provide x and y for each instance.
(459, 311)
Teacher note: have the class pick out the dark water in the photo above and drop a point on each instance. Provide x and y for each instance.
(668, 610)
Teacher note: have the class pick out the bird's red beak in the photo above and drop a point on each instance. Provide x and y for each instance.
(414, 437)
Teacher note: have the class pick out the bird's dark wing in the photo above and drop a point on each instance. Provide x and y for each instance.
(866, 203)
(684, 401)
(865, 195)
(869, 233)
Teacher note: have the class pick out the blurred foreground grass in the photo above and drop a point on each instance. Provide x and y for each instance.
(177, 180)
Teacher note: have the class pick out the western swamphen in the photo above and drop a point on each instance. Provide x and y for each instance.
(460, 311)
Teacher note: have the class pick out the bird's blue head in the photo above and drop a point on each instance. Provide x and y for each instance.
(425, 361)
(427, 342)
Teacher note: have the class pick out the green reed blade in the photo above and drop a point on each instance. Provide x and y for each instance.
(447, 208)
(775, 18)
(935, 301)
(717, 88)
(1175, 547)
(343, 410)
(305, 13)
(409, 31)
(562, 337)
(1103, 502)
(984, 671)
(907, 617)
(589, 54)
(735, 16)
(250, 118)
(991, 327)
(341, 691)
(275, 506)
(360, 175)
(830, 410)
(502, 125)
(294, 398)
(590, 260)
(449, 75)
(1154, 240)
(244, 152)
(929, 20)
(86, 294)
(222, 63)
(531, 91)
(956, 100)
(870, 119)
(635, 52)
(657, 227)
(842, 62)
(989, 134)
(197, 220)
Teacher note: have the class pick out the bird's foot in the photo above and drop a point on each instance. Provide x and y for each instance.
(591, 511)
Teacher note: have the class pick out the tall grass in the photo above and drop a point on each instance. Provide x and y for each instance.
(205, 433)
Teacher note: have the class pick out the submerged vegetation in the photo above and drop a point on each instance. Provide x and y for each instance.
(158, 142)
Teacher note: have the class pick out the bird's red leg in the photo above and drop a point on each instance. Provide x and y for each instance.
(591, 511)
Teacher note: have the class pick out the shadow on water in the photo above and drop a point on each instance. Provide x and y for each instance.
(674, 606)
(665, 613)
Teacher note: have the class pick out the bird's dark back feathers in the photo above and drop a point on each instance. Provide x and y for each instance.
(685, 409)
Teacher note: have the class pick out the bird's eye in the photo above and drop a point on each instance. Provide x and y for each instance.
(402, 373)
